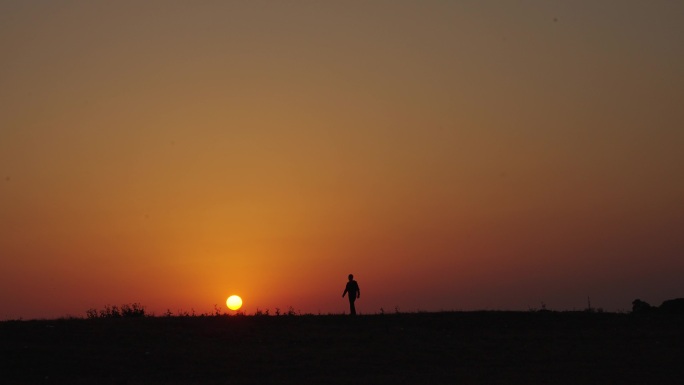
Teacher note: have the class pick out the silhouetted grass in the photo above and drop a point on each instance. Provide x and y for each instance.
(133, 310)
(406, 348)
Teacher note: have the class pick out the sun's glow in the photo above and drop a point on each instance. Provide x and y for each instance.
(234, 302)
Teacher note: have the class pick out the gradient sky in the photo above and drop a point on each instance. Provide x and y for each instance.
(453, 155)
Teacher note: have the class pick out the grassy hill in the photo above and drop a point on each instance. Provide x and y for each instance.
(416, 348)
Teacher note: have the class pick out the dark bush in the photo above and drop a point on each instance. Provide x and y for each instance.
(672, 306)
(640, 307)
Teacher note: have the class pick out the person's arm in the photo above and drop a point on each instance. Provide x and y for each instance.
(345, 291)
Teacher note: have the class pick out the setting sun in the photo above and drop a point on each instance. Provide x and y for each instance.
(234, 302)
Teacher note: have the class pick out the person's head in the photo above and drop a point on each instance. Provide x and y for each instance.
(351, 276)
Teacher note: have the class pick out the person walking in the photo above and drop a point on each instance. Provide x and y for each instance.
(354, 292)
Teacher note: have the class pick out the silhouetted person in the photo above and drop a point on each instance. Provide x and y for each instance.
(354, 293)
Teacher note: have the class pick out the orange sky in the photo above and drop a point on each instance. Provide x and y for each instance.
(452, 155)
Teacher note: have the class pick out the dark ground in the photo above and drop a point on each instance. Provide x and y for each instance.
(420, 348)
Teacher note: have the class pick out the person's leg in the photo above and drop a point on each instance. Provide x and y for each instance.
(352, 308)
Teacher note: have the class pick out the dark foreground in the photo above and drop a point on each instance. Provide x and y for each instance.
(423, 348)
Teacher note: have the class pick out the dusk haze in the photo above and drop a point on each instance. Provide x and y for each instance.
(451, 155)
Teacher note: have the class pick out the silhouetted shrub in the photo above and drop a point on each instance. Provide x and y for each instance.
(110, 312)
(132, 310)
(217, 310)
(260, 313)
(640, 307)
(673, 306)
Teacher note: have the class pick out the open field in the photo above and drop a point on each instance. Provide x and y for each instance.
(426, 348)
